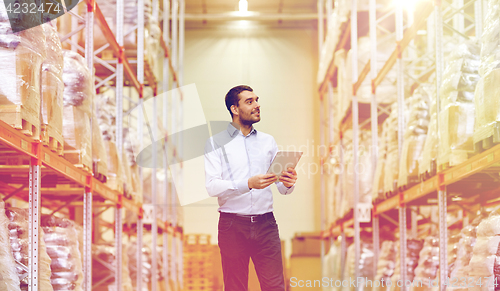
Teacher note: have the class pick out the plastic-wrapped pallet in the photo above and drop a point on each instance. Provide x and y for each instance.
(428, 265)
(378, 180)
(52, 88)
(487, 91)
(456, 119)
(131, 149)
(485, 259)
(365, 264)
(331, 266)
(78, 94)
(391, 166)
(106, 112)
(19, 240)
(103, 258)
(414, 136)
(364, 171)
(465, 247)
(429, 153)
(61, 238)
(146, 265)
(99, 153)
(386, 264)
(9, 281)
(413, 248)
(21, 56)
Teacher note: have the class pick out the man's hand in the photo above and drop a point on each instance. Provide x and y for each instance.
(261, 181)
(289, 178)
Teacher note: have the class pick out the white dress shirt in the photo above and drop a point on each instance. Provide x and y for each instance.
(230, 160)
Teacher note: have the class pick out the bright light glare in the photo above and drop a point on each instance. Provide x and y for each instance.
(408, 5)
(243, 5)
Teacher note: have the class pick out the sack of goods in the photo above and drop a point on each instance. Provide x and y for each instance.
(486, 253)
(61, 238)
(386, 264)
(465, 246)
(413, 248)
(428, 265)
(18, 227)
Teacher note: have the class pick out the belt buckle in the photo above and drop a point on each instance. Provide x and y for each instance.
(251, 219)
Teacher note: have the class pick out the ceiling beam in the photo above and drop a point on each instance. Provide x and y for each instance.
(251, 16)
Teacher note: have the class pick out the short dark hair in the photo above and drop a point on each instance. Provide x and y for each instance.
(232, 96)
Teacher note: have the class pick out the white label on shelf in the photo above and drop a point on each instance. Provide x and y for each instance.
(364, 213)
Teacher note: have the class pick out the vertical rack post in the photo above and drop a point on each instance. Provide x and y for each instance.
(355, 135)
(119, 139)
(322, 174)
(166, 83)
(401, 126)
(374, 119)
(321, 24)
(443, 238)
(140, 125)
(119, 243)
(34, 218)
(180, 73)
(87, 239)
(174, 47)
(154, 224)
(478, 18)
(87, 199)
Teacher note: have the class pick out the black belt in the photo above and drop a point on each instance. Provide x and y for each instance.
(248, 218)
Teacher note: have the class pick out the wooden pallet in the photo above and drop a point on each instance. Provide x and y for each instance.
(115, 184)
(487, 137)
(429, 174)
(52, 139)
(453, 158)
(74, 157)
(410, 182)
(22, 119)
(99, 176)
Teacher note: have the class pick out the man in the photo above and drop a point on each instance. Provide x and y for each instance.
(236, 161)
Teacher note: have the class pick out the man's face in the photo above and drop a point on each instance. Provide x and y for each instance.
(248, 108)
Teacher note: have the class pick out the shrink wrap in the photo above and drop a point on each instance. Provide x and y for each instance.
(63, 247)
(78, 94)
(9, 281)
(456, 119)
(52, 87)
(414, 136)
(19, 241)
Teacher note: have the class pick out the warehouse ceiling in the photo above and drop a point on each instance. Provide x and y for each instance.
(269, 13)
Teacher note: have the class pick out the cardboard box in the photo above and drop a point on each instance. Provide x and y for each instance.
(308, 244)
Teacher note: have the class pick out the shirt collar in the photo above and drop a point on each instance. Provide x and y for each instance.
(233, 130)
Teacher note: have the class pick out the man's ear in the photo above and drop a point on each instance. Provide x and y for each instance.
(234, 110)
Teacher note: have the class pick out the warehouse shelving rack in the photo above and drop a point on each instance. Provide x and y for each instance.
(39, 162)
(445, 182)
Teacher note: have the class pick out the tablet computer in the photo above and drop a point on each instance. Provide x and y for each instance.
(282, 161)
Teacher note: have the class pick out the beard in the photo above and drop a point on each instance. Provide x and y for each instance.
(250, 118)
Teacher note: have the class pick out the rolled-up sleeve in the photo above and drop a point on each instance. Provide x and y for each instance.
(214, 183)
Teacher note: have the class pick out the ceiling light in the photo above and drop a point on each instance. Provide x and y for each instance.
(243, 5)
